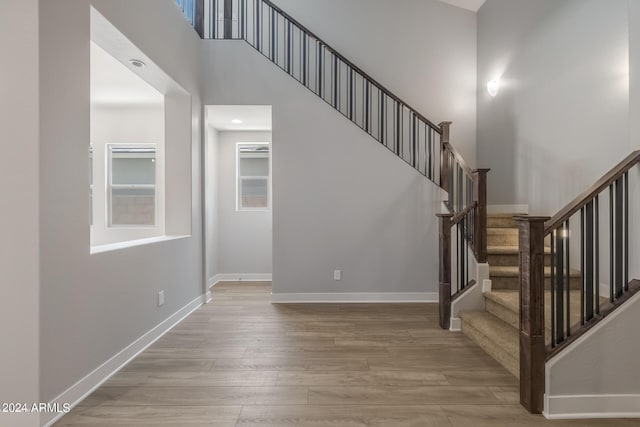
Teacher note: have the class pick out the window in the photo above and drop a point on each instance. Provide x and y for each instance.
(253, 172)
(131, 184)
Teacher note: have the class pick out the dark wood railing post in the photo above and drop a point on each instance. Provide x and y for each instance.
(532, 346)
(445, 270)
(480, 226)
(445, 128)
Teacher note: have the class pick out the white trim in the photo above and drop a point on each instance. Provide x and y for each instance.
(455, 324)
(354, 297)
(132, 243)
(508, 209)
(81, 389)
(590, 406)
(239, 277)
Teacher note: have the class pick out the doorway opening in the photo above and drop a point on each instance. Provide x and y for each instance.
(238, 174)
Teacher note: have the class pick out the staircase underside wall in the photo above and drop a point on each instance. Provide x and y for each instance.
(341, 201)
(596, 376)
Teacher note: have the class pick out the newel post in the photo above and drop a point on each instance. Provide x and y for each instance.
(445, 270)
(532, 346)
(480, 226)
(445, 128)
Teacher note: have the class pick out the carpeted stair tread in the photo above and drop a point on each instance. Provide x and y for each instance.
(497, 338)
(513, 271)
(509, 250)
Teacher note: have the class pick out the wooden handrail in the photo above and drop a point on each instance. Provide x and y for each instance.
(463, 213)
(353, 66)
(609, 178)
(465, 167)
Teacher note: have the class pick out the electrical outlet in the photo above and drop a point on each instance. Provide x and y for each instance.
(160, 298)
(337, 274)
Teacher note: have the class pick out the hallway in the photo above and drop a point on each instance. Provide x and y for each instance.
(243, 361)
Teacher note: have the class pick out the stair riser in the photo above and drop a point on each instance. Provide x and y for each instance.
(502, 312)
(512, 318)
(500, 355)
(506, 237)
(513, 283)
(501, 222)
(510, 260)
(502, 239)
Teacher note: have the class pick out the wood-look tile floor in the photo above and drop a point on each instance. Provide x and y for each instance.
(241, 361)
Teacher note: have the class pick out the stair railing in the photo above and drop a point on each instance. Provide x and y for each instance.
(400, 128)
(466, 220)
(605, 203)
(332, 77)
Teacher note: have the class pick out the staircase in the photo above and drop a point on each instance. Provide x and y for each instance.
(496, 328)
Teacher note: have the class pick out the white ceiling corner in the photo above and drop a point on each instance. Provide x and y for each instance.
(472, 5)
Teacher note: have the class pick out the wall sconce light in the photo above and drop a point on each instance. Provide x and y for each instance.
(493, 86)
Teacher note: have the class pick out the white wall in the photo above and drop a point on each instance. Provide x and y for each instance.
(93, 306)
(595, 376)
(422, 50)
(561, 117)
(244, 237)
(340, 200)
(211, 203)
(19, 186)
(143, 124)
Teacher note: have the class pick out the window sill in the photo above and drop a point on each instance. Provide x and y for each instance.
(132, 243)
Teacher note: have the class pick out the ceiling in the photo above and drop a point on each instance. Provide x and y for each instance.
(472, 5)
(113, 83)
(254, 117)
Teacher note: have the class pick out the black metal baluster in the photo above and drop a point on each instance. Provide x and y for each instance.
(618, 238)
(351, 89)
(258, 29)
(626, 231)
(552, 281)
(304, 58)
(213, 18)
(414, 143)
(597, 248)
(397, 128)
(430, 132)
(611, 245)
(319, 65)
(381, 106)
(241, 18)
(228, 19)
(583, 278)
(289, 45)
(568, 275)
(589, 267)
(367, 104)
(559, 286)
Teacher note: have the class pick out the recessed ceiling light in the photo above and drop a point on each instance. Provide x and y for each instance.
(137, 63)
(236, 121)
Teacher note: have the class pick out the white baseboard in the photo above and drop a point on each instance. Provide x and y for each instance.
(508, 209)
(355, 297)
(240, 277)
(600, 406)
(80, 390)
(455, 324)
